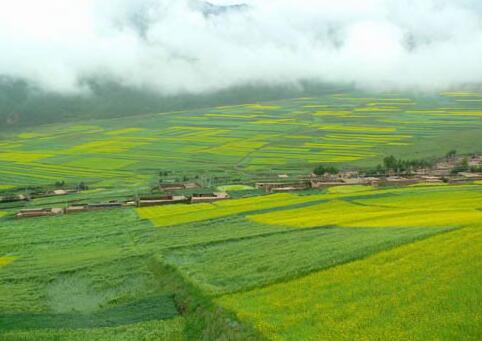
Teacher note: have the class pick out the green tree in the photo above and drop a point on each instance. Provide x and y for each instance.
(322, 170)
(390, 163)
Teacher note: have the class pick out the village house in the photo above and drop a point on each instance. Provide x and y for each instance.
(15, 197)
(370, 180)
(38, 212)
(475, 160)
(208, 197)
(162, 200)
(75, 208)
(325, 183)
(430, 179)
(457, 180)
(282, 186)
(51, 193)
(62, 191)
(400, 180)
(354, 181)
(471, 176)
(285, 189)
(104, 205)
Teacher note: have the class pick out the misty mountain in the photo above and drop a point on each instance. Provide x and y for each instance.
(198, 47)
(125, 57)
(22, 104)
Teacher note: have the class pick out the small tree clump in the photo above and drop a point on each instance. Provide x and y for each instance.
(82, 186)
(59, 184)
(322, 170)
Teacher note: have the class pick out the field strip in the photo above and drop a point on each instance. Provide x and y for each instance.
(5, 260)
(180, 214)
(61, 170)
(246, 263)
(371, 297)
(155, 308)
(454, 207)
(27, 270)
(317, 212)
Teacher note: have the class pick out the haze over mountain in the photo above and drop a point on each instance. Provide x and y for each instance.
(167, 49)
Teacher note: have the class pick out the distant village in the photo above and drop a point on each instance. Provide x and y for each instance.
(452, 169)
(140, 202)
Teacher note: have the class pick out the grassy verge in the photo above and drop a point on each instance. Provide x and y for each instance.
(204, 320)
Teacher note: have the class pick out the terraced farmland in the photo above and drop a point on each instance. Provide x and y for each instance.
(239, 141)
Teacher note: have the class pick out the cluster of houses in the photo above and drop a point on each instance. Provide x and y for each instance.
(177, 199)
(74, 208)
(35, 195)
(442, 171)
(139, 202)
(273, 187)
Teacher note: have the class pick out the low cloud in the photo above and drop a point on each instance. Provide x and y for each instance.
(190, 46)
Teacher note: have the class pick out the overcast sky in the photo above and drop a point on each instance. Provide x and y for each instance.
(176, 46)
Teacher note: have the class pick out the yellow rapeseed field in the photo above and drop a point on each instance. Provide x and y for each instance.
(5, 260)
(342, 127)
(452, 208)
(22, 157)
(381, 138)
(114, 145)
(262, 107)
(30, 135)
(239, 148)
(100, 163)
(331, 113)
(461, 94)
(179, 214)
(350, 189)
(352, 147)
(124, 131)
(426, 290)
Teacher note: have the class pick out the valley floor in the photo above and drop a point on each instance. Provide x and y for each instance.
(337, 263)
(367, 263)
